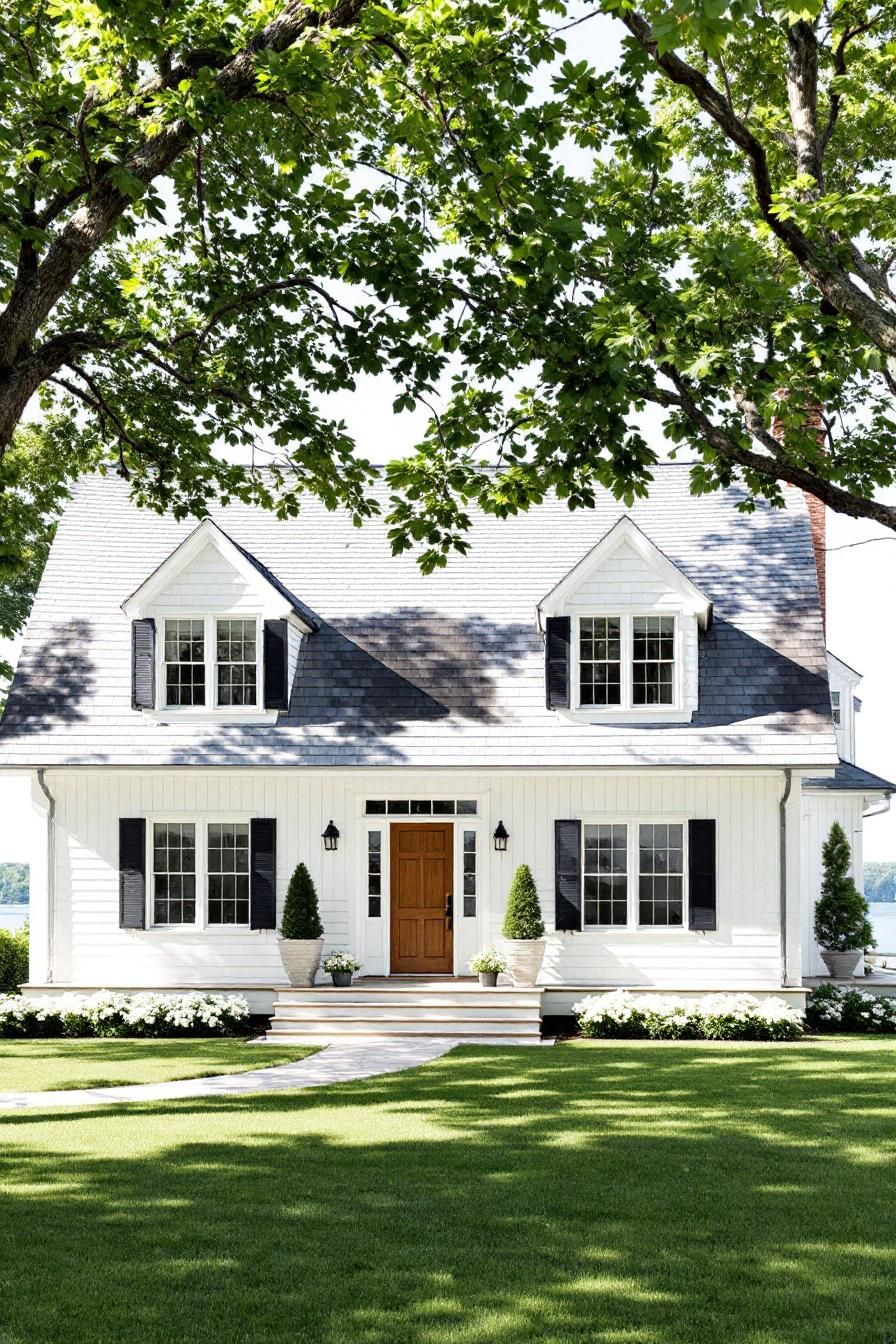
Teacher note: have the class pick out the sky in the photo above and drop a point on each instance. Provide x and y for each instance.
(861, 577)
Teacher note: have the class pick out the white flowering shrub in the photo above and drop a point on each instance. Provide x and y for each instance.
(834, 1008)
(622, 1015)
(109, 1014)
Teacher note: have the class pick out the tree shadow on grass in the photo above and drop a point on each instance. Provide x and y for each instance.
(662, 1194)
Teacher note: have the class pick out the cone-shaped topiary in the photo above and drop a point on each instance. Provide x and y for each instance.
(522, 918)
(841, 912)
(301, 917)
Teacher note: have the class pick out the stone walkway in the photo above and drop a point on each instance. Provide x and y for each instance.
(338, 1063)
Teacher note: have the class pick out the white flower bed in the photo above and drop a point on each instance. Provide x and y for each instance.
(109, 1014)
(835, 1008)
(714, 1017)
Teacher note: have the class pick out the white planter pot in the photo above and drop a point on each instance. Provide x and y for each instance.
(524, 958)
(301, 958)
(841, 965)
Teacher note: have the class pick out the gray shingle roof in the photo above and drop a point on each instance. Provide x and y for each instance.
(438, 670)
(852, 779)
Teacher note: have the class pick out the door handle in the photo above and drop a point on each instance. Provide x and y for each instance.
(449, 909)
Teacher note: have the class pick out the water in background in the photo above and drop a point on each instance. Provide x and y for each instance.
(12, 917)
(883, 921)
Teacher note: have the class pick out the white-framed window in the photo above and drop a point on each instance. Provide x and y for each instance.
(627, 662)
(199, 873)
(661, 874)
(228, 872)
(173, 872)
(605, 874)
(237, 662)
(835, 708)
(211, 662)
(469, 874)
(184, 657)
(634, 874)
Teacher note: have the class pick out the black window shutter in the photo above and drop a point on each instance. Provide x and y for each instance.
(702, 874)
(263, 878)
(568, 874)
(132, 873)
(556, 661)
(143, 664)
(276, 661)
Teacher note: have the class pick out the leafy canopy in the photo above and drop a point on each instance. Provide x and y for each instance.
(214, 215)
(841, 911)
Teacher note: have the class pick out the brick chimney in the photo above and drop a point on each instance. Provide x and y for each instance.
(817, 523)
(817, 512)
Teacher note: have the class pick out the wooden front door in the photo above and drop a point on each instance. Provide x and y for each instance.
(421, 890)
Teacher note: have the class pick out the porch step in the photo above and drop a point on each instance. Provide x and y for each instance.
(359, 1037)
(323, 999)
(385, 1025)
(458, 1009)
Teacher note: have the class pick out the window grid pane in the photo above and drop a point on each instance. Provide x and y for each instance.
(600, 666)
(237, 665)
(661, 874)
(605, 869)
(184, 663)
(174, 873)
(228, 873)
(835, 708)
(469, 865)
(653, 660)
(374, 874)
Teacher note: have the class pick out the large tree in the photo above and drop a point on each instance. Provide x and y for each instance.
(733, 268)
(214, 214)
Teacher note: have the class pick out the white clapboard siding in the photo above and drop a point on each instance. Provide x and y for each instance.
(209, 583)
(820, 811)
(92, 950)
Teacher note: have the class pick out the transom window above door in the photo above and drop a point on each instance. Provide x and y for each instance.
(217, 655)
(627, 662)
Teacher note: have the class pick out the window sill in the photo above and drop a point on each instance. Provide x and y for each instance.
(603, 717)
(221, 716)
(198, 929)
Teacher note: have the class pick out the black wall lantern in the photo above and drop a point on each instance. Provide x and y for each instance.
(502, 835)
(331, 837)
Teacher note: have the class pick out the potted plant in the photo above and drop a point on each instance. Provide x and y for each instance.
(342, 967)
(523, 928)
(488, 965)
(301, 932)
(842, 928)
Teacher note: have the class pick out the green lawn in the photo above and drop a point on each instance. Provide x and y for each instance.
(39, 1066)
(615, 1193)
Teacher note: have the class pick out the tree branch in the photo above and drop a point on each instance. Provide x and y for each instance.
(836, 285)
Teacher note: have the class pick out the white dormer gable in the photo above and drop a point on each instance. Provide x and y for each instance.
(209, 572)
(633, 628)
(214, 634)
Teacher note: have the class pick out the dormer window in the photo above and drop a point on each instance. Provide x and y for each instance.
(237, 663)
(835, 708)
(626, 662)
(621, 634)
(189, 667)
(184, 662)
(214, 635)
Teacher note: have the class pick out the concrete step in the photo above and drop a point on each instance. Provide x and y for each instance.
(397, 1012)
(359, 1037)
(365, 1026)
(521, 998)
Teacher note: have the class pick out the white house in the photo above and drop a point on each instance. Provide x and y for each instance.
(639, 697)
